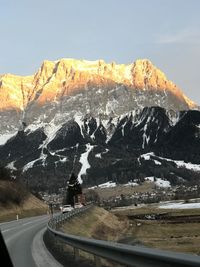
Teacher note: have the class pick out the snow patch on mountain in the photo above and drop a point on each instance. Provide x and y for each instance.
(189, 166)
(157, 162)
(79, 120)
(158, 181)
(146, 156)
(179, 163)
(145, 137)
(11, 166)
(61, 157)
(5, 137)
(108, 184)
(34, 126)
(29, 165)
(131, 184)
(84, 161)
(111, 184)
(99, 155)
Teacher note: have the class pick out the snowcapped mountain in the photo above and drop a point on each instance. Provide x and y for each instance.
(106, 122)
(65, 88)
(137, 145)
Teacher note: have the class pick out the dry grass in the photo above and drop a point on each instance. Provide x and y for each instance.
(31, 206)
(181, 237)
(97, 223)
(174, 237)
(151, 209)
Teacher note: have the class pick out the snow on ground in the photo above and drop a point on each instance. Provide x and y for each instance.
(5, 137)
(180, 205)
(129, 207)
(158, 181)
(34, 126)
(106, 124)
(11, 166)
(122, 127)
(51, 130)
(157, 162)
(99, 155)
(84, 162)
(78, 119)
(189, 166)
(111, 184)
(29, 165)
(162, 183)
(145, 137)
(108, 184)
(104, 185)
(147, 156)
(130, 184)
(181, 163)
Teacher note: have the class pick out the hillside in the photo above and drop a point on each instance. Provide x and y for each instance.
(137, 145)
(15, 199)
(98, 224)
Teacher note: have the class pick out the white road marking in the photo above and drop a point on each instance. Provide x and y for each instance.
(7, 230)
(22, 230)
(27, 223)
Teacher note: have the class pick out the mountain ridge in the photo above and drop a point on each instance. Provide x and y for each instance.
(107, 122)
(138, 145)
(65, 88)
(141, 74)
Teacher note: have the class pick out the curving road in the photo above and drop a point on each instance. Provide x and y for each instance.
(25, 244)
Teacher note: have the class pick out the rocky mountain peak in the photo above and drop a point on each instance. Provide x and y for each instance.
(12, 90)
(67, 87)
(147, 76)
(52, 78)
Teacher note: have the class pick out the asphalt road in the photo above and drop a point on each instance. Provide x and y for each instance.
(25, 244)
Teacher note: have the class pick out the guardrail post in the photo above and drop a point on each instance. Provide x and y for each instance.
(97, 261)
(76, 254)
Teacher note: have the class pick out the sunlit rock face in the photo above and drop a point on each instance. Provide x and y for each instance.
(62, 89)
(14, 91)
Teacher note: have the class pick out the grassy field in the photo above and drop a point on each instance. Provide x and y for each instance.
(152, 209)
(164, 234)
(174, 237)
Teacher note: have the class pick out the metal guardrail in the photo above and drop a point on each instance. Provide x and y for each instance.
(121, 253)
(58, 220)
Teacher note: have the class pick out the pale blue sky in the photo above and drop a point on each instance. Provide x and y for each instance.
(165, 31)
